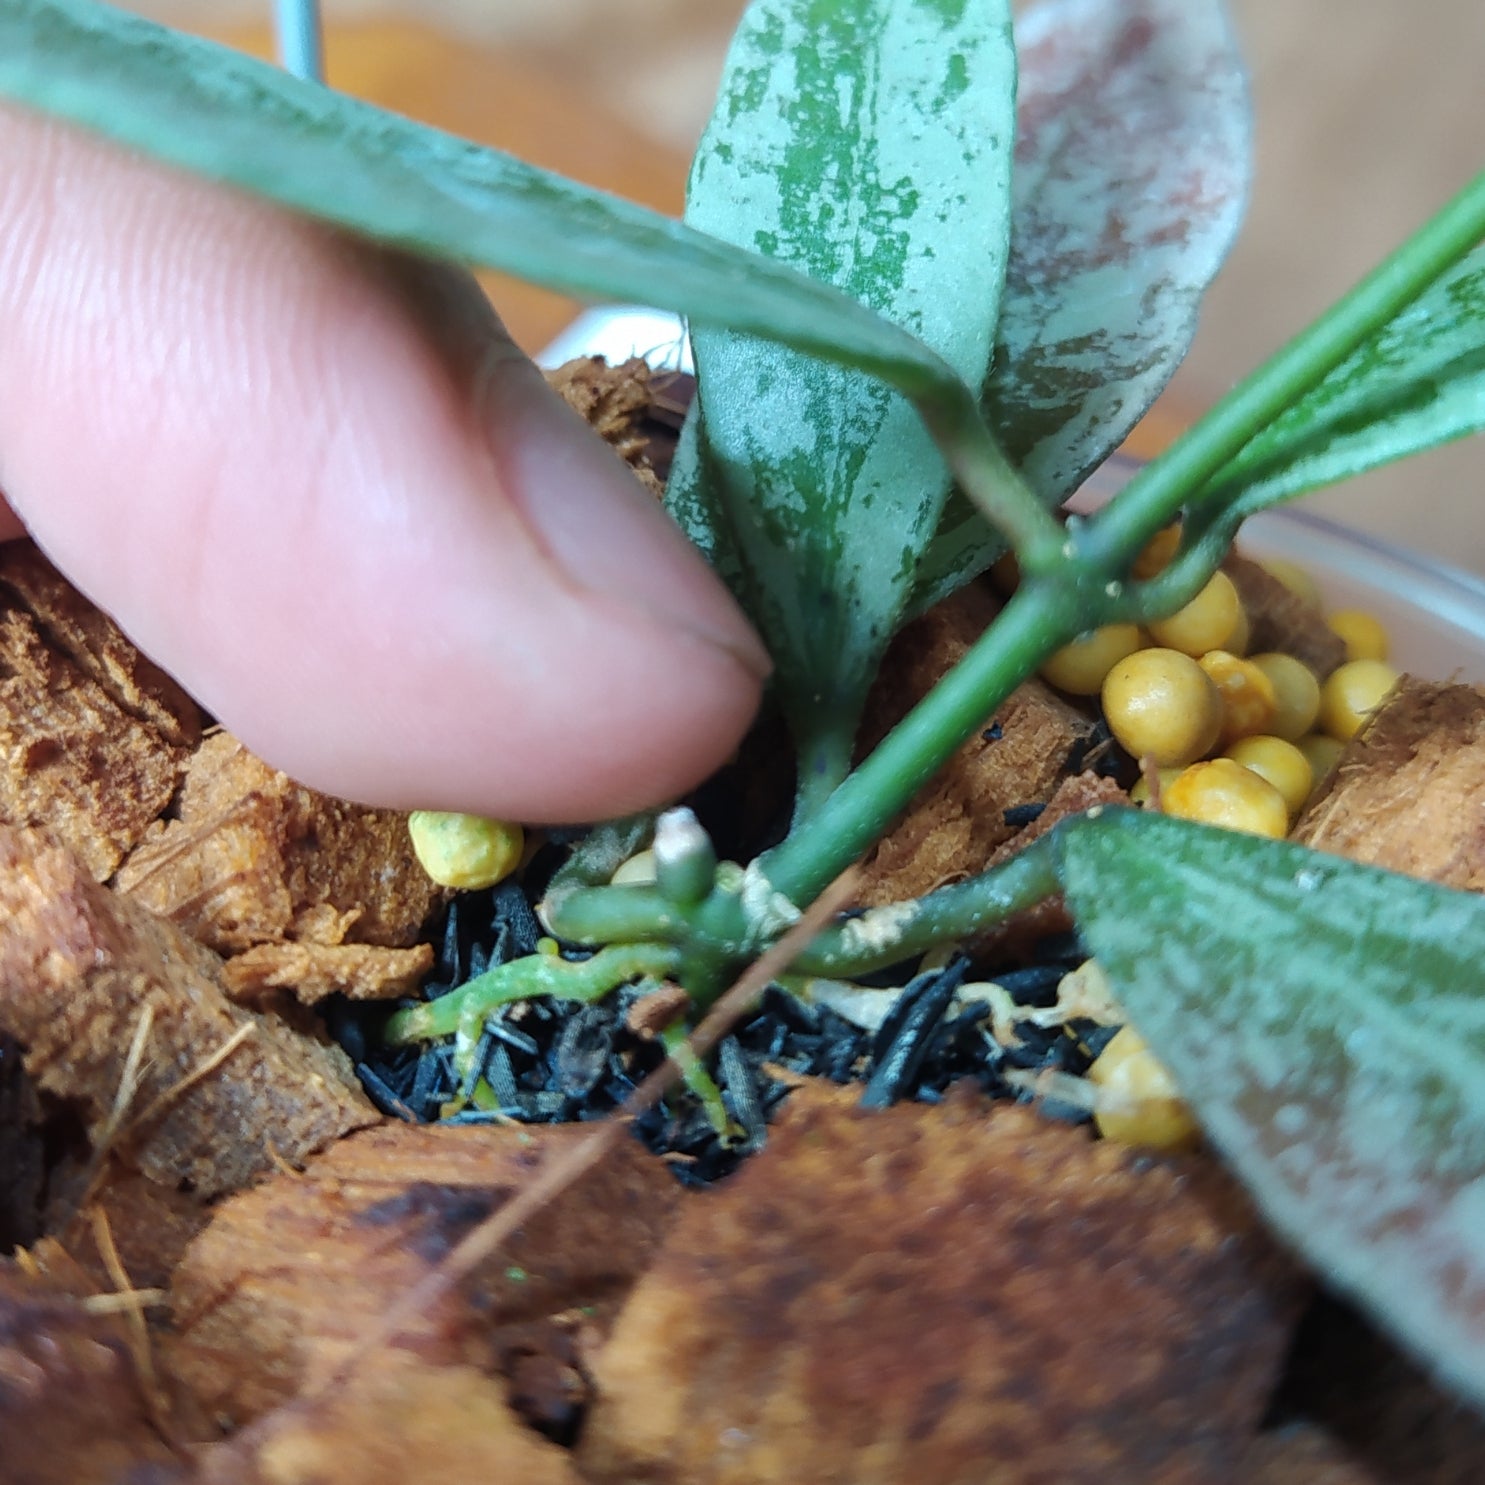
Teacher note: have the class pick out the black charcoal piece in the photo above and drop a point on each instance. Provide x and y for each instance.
(581, 1057)
(1019, 815)
(501, 1029)
(381, 1095)
(432, 1084)
(501, 1077)
(903, 1042)
(512, 910)
(737, 1080)
(1036, 985)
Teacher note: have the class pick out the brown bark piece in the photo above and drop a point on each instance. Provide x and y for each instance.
(617, 402)
(72, 1410)
(1279, 619)
(1409, 793)
(151, 1225)
(956, 823)
(1075, 795)
(80, 965)
(255, 858)
(398, 1421)
(961, 1294)
(313, 971)
(96, 645)
(290, 1275)
(95, 738)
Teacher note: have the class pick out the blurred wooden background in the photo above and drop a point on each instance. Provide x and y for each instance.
(1370, 112)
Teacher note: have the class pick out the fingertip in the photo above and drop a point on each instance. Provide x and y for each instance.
(314, 483)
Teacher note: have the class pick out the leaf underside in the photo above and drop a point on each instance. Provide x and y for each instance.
(1327, 1023)
(1419, 382)
(231, 118)
(869, 144)
(1132, 168)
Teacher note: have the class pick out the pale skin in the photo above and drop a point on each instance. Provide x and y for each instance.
(318, 484)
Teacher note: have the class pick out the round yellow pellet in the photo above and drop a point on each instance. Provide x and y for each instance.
(1227, 794)
(1158, 551)
(1296, 693)
(1281, 763)
(1351, 693)
(1138, 1103)
(1140, 792)
(1206, 623)
(1294, 577)
(1363, 634)
(1248, 699)
(465, 851)
(1161, 705)
(1322, 753)
(1080, 667)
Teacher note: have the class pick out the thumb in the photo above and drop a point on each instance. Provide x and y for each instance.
(317, 483)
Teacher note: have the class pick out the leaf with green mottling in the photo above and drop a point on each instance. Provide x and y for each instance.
(1326, 1021)
(868, 143)
(230, 118)
(1418, 383)
(1132, 165)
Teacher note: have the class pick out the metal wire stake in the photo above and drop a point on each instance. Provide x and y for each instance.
(300, 35)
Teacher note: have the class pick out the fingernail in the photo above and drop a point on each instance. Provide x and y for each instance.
(599, 525)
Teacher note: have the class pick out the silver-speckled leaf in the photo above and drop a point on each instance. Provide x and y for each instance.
(1132, 166)
(1417, 383)
(1326, 1021)
(867, 142)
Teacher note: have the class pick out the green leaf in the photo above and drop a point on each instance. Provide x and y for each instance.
(1132, 166)
(230, 118)
(867, 142)
(1418, 382)
(1327, 1023)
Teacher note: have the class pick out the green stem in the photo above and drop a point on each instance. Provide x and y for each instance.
(886, 935)
(992, 483)
(464, 1010)
(615, 915)
(1155, 496)
(1044, 614)
(1205, 543)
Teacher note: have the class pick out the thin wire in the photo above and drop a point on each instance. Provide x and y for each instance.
(300, 36)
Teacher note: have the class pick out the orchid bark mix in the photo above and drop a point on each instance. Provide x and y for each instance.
(935, 268)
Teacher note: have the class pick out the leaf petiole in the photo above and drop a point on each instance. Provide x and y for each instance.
(887, 935)
(991, 482)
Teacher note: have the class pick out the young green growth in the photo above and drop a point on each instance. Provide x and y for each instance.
(685, 863)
